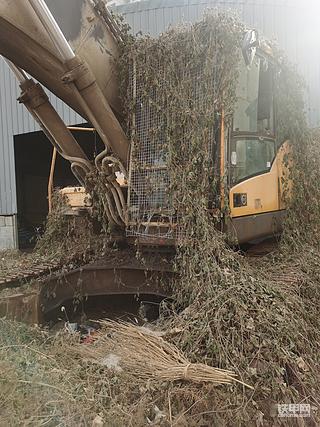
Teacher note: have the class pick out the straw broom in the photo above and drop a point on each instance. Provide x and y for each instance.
(147, 355)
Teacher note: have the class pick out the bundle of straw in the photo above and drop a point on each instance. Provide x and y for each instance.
(146, 355)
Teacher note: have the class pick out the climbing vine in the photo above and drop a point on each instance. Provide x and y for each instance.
(231, 312)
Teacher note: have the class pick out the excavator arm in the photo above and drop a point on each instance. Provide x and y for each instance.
(81, 70)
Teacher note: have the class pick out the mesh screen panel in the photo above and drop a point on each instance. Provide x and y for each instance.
(150, 209)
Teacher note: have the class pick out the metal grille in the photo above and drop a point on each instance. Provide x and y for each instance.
(150, 210)
(148, 199)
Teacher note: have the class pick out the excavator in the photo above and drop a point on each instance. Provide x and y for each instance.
(71, 47)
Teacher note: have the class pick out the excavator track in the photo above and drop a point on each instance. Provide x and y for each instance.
(24, 268)
(19, 277)
(32, 294)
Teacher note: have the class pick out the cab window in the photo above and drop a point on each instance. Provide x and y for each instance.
(250, 157)
(254, 107)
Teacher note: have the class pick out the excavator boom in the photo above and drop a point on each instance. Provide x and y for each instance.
(27, 43)
(81, 69)
(76, 60)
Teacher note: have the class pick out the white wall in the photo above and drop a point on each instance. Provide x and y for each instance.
(8, 232)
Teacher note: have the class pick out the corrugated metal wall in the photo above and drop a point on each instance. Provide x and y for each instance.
(293, 23)
(14, 120)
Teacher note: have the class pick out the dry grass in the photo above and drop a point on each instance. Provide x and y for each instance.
(44, 381)
(145, 354)
(14, 260)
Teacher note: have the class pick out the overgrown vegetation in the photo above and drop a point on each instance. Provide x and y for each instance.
(67, 237)
(67, 241)
(43, 382)
(232, 314)
(259, 319)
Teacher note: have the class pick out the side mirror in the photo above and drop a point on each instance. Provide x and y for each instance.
(249, 46)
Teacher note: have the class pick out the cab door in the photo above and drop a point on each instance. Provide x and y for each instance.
(253, 176)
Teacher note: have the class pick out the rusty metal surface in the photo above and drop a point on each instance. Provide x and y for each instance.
(22, 307)
(17, 277)
(120, 273)
(95, 280)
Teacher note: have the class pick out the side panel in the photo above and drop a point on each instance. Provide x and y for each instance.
(262, 193)
(267, 197)
(248, 228)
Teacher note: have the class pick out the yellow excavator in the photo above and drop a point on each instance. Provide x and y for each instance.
(71, 47)
(76, 60)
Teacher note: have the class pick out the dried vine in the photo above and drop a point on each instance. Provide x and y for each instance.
(230, 313)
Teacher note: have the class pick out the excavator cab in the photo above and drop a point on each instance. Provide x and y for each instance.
(246, 163)
(252, 137)
(254, 162)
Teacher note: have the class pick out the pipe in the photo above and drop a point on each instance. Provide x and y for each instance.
(107, 211)
(121, 196)
(79, 175)
(99, 158)
(115, 219)
(51, 175)
(53, 29)
(80, 129)
(117, 203)
(114, 160)
(115, 187)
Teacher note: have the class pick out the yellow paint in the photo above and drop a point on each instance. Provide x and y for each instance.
(264, 192)
(76, 197)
